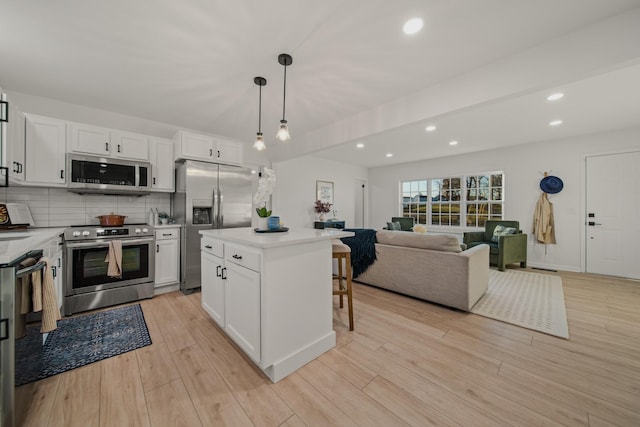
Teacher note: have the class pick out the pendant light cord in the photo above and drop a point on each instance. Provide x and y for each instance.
(260, 110)
(284, 97)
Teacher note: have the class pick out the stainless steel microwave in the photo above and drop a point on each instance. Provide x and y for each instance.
(89, 174)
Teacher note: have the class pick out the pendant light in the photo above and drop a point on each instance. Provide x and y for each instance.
(259, 144)
(283, 132)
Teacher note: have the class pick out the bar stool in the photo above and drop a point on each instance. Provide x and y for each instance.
(342, 253)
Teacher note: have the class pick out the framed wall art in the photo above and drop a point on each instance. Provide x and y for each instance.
(324, 191)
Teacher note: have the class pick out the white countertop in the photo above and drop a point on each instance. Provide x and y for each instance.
(14, 244)
(247, 236)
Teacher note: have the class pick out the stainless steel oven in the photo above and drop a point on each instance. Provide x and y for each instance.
(88, 286)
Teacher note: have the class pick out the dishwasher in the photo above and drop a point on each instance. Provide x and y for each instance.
(9, 275)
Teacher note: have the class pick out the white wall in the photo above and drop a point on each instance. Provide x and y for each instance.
(295, 192)
(523, 167)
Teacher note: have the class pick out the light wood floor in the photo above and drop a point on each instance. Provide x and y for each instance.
(407, 363)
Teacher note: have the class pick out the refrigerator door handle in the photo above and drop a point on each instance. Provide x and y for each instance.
(220, 215)
(214, 213)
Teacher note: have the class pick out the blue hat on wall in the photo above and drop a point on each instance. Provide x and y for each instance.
(551, 184)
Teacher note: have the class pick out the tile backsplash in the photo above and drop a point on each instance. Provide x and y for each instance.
(57, 207)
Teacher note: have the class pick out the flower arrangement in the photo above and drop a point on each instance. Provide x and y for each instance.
(322, 207)
(266, 185)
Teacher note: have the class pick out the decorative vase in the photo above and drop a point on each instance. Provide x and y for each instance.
(321, 217)
(263, 223)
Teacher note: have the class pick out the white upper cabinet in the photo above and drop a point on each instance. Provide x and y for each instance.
(15, 149)
(230, 152)
(196, 146)
(162, 165)
(45, 150)
(89, 139)
(101, 141)
(129, 145)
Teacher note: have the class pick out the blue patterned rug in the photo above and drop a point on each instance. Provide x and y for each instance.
(79, 341)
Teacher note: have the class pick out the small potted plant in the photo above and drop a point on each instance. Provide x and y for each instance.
(322, 208)
(163, 217)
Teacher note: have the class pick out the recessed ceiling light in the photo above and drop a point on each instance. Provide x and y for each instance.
(453, 142)
(412, 26)
(389, 155)
(360, 145)
(555, 123)
(253, 172)
(555, 96)
(430, 128)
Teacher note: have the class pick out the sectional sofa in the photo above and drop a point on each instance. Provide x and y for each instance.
(432, 267)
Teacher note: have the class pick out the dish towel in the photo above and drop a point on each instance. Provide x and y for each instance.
(23, 299)
(42, 281)
(114, 258)
(43, 295)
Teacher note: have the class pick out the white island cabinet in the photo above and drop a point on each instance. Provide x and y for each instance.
(271, 293)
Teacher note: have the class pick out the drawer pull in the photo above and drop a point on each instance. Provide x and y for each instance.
(208, 246)
(236, 256)
(167, 234)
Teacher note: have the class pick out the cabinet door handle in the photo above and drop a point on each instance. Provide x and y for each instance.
(19, 167)
(218, 274)
(236, 256)
(154, 180)
(118, 148)
(224, 270)
(4, 111)
(210, 152)
(61, 173)
(106, 146)
(157, 248)
(218, 153)
(207, 246)
(54, 271)
(5, 329)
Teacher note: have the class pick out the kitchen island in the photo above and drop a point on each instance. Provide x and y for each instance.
(271, 293)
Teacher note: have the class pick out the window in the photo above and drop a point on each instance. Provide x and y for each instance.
(414, 200)
(454, 201)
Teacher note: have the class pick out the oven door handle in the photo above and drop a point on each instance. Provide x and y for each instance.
(105, 243)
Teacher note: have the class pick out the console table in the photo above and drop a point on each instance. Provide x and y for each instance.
(321, 225)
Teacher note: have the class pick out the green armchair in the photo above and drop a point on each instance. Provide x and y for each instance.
(508, 249)
(406, 222)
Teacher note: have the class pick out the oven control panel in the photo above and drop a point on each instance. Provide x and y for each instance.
(95, 232)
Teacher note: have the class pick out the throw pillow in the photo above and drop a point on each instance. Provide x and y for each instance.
(501, 230)
(394, 226)
(419, 228)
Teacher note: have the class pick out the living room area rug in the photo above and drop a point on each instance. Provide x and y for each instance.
(79, 341)
(531, 300)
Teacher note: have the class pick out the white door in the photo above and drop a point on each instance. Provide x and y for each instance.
(613, 213)
(242, 309)
(45, 148)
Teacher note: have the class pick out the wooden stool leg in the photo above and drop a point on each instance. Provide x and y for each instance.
(349, 291)
(340, 285)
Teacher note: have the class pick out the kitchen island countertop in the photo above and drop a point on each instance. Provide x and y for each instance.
(14, 244)
(247, 236)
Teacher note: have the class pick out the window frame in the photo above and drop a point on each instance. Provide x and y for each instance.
(454, 199)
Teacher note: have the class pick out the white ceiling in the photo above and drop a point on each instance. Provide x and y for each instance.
(192, 63)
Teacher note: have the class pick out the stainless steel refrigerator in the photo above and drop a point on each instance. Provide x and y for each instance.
(207, 196)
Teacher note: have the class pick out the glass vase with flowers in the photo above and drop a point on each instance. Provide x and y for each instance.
(322, 208)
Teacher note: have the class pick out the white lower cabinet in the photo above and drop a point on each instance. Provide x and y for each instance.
(167, 258)
(212, 287)
(242, 308)
(230, 288)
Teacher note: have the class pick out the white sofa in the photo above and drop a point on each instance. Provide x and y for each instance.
(431, 267)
